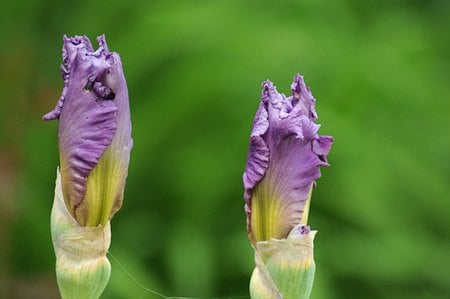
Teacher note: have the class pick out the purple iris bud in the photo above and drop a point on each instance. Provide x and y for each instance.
(283, 162)
(94, 130)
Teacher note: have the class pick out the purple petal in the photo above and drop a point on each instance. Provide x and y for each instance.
(301, 91)
(283, 162)
(322, 146)
(258, 156)
(92, 111)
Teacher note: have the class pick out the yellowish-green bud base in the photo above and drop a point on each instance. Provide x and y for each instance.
(82, 268)
(105, 185)
(284, 268)
(271, 216)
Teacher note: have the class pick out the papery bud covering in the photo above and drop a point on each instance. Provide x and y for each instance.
(284, 268)
(82, 268)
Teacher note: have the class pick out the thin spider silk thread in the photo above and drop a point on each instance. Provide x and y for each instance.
(155, 292)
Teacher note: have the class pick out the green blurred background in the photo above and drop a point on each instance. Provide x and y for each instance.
(379, 71)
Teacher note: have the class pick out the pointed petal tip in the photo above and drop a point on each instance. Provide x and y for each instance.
(103, 46)
(268, 92)
(298, 78)
(301, 92)
(267, 84)
(52, 115)
(101, 38)
(297, 85)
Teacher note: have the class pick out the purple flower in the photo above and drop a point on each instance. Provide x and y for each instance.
(283, 161)
(94, 130)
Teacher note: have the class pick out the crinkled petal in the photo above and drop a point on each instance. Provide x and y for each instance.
(258, 156)
(71, 47)
(322, 146)
(276, 202)
(301, 94)
(257, 162)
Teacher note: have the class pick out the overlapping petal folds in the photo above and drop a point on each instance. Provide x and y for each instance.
(94, 130)
(283, 161)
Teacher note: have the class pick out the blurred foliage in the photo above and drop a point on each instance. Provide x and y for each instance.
(379, 71)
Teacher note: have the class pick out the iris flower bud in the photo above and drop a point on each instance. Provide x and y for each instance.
(283, 163)
(94, 136)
